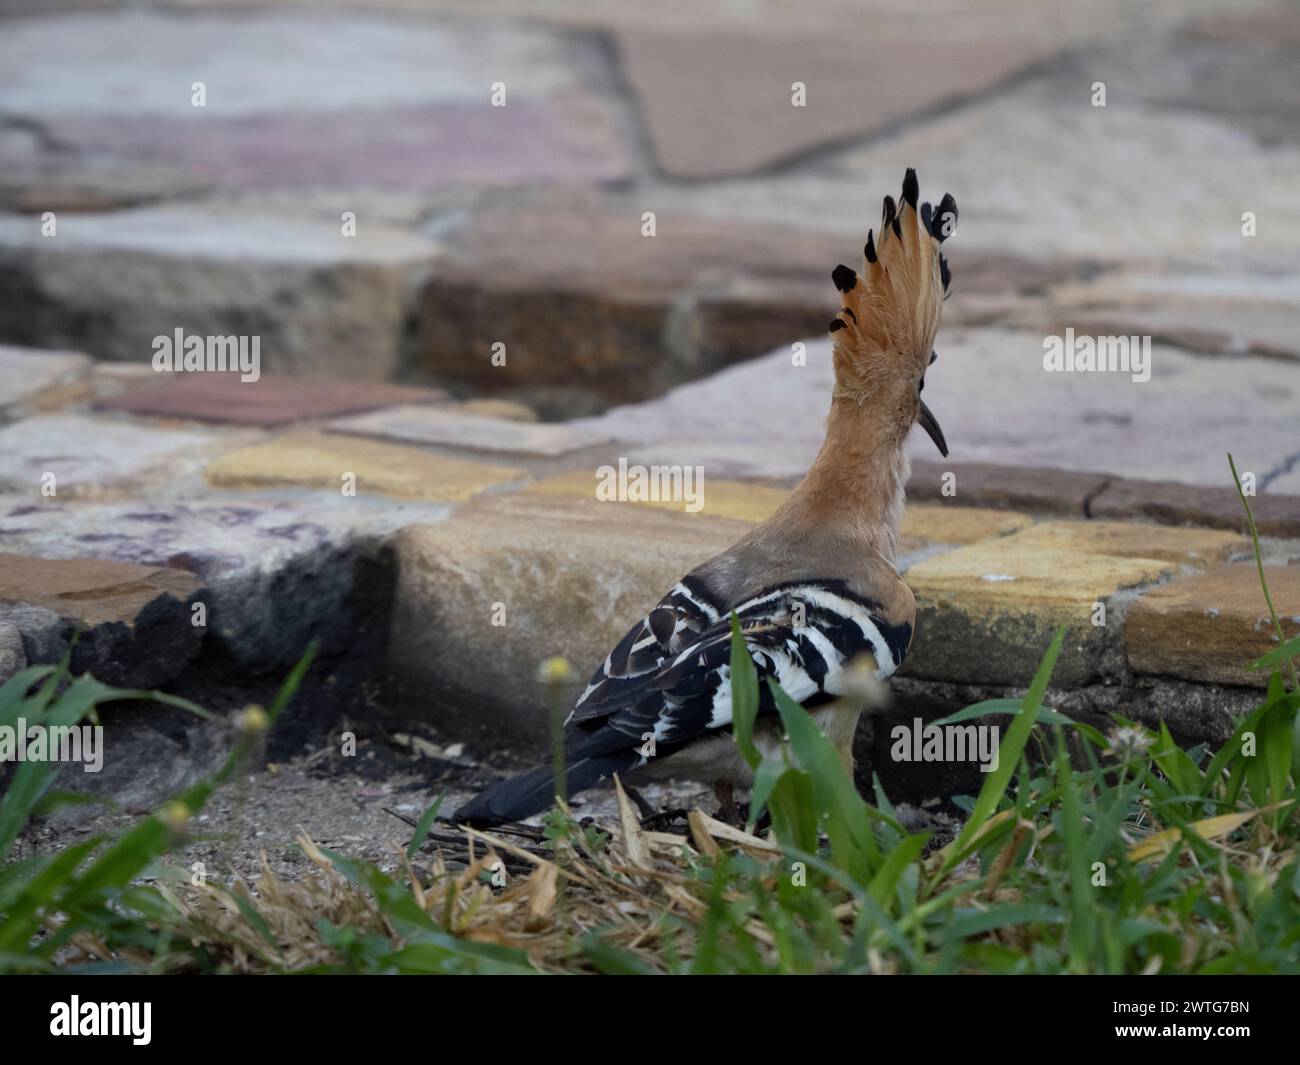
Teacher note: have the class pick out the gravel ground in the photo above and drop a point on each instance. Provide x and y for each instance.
(340, 802)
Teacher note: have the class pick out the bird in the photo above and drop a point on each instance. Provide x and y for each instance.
(814, 587)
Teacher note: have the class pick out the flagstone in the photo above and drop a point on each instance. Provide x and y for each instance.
(736, 500)
(117, 86)
(1210, 627)
(1213, 312)
(132, 622)
(455, 428)
(280, 567)
(32, 379)
(510, 580)
(86, 456)
(269, 400)
(755, 503)
(699, 131)
(1192, 547)
(1276, 514)
(764, 419)
(325, 460)
(595, 305)
(986, 612)
(112, 283)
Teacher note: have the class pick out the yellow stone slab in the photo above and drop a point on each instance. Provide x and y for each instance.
(737, 500)
(939, 524)
(754, 503)
(319, 460)
(1195, 547)
(1018, 574)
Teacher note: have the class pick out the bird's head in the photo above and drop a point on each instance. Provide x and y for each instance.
(884, 335)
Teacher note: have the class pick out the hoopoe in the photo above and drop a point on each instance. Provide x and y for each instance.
(814, 586)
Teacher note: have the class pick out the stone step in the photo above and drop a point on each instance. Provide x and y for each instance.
(133, 625)
(112, 283)
(1209, 628)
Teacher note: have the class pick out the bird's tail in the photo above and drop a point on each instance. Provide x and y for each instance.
(532, 792)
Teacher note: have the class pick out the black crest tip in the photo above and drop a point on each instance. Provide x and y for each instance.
(911, 187)
(945, 218)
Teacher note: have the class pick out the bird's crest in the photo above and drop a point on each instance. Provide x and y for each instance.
(891, 309)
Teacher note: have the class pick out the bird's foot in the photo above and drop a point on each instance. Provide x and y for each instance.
(731, 813)
(647, 811)
(665, 817)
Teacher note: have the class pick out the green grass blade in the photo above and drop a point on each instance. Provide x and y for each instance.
(1013, 743)
(424, 825)
(744, 695)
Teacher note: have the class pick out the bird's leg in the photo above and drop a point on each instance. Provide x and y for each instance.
(729, 811)
(647, 811)
(665, 817)
(650, 817)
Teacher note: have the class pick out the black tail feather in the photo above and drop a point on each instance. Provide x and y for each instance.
(532, 792)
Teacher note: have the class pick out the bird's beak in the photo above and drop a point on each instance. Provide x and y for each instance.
(927, 422)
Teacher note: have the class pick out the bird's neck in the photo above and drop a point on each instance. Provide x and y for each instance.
(854, 488)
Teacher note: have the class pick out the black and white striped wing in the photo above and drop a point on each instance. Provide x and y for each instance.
(681, 617)
(803, 635)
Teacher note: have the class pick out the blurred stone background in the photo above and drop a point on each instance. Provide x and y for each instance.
(522, 224)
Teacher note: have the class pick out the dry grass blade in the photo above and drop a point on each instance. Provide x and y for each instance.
(697, 821)
(630, 824)
(716, 830)
(1211, 828)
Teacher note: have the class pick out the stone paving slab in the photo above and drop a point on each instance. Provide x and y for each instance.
(269, 401)
(594, 306)
(1171, 503)
(292, 98)
(90, 456)
(1209, 627)
(228, 535)
(1035, 176)
(1215, 313)
(979, 607)
(473, 432)
(1238, 73)
(720, 105)
(279, 567)
(764, 418)
(1038, 488)
(89, 590)
(321, 461)
(571, 139)
(132, 622)
(31, 380)
(735, 500)
(109, 284)
(1191, 547)
(558, 576)
(1285, 483)
(754, 503)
